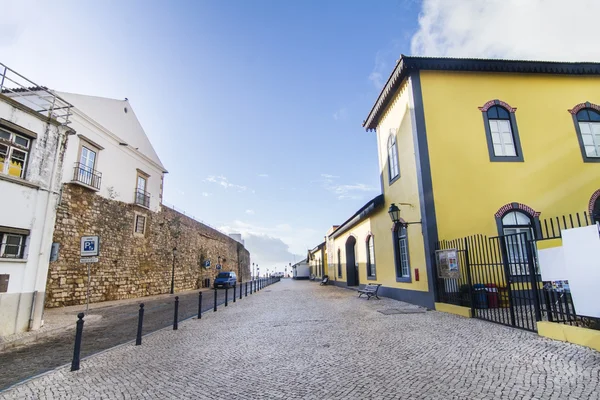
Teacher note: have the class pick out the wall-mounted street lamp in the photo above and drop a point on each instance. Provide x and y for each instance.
(173, 271)
(394, 213)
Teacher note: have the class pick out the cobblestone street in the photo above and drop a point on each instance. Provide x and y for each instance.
(107, 325)
(299, 340)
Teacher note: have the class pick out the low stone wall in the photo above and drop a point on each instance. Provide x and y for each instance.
(130, 264)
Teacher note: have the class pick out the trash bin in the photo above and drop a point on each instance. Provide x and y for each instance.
(492, 295)
(503, 295)
(480, 295)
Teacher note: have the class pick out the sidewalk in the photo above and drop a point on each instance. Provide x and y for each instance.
(57, 320)
(297, 340)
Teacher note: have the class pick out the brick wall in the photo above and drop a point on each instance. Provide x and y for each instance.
(132, 265)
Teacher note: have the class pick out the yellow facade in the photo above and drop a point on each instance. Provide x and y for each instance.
(397, 120)
(359, 232)
(468, 188)
(317, 260)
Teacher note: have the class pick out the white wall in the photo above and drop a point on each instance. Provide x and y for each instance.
(30, 204)
(118, 164)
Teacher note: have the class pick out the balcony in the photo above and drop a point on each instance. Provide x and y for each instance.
(142, 198)
(87, 176)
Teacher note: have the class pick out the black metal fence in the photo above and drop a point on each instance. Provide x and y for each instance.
(501, 282)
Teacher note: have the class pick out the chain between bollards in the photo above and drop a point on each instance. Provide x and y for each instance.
(175, 326)
(215, 307)
(200, 305)
(77, 349)
(138, 338)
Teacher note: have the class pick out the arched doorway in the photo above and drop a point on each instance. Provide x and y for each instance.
(351, 264)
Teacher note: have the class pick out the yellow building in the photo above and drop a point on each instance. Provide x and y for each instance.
(471, 146)
(317, 259)
(352, 242)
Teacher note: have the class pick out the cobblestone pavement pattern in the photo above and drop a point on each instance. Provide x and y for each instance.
(299, 340)
(105, 327)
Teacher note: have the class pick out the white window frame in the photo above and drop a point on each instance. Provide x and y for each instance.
(594, 136)
(393, 167)
(12, 145)
(503, 138)
(135, 224)
(371, 272)
(403, 253)
(3, 244)
(517, 254)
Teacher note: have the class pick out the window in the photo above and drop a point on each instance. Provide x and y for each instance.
(514, 223)
(339, 263)
(370, 256)
(501, 131)
(14, 150)
(588, 122)
(12, 245)
(140, 224)
(393, 169)
(401, 250)
(85, 169)
(142, 197)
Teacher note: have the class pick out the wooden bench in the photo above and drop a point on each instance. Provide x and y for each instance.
(370, 290)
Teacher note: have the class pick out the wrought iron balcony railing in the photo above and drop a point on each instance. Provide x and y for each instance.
(87, 176)
(142, 198)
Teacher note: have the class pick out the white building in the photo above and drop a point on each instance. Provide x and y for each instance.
(111, 153)
(301, 270)
(32, 146)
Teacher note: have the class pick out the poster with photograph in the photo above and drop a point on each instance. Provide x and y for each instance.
(448, 265)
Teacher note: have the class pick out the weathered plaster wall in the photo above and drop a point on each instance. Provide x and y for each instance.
(133, 265)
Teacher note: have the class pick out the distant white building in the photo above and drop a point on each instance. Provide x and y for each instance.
(301, 270)
(237, 237)
(33, 133)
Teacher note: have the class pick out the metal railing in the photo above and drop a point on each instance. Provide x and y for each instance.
(550, 227)
(142, 198)
(38, 98)
(87, 176)
(558, 307)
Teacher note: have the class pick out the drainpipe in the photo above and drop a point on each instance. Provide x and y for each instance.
(48, 207)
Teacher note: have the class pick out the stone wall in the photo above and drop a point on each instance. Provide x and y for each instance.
(130, 264)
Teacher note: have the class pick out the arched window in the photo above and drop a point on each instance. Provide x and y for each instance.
(517, 222)
(370, 257)
(339, 263)
(513, 224)
(393, 169)
(501, 131)
(588, 122)
(402, 260)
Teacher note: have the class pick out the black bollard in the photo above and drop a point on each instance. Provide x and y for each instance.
(175, 326)
(234, 292)
(246, 294)
(215, 308)
(77, 350)
(241, 287)
(200, 305)
(251, 282)
(138, 338)
(226, 295)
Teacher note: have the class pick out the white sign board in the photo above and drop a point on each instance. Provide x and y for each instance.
(89, 246)
(552, 264)
(88, 260)
(582, 254)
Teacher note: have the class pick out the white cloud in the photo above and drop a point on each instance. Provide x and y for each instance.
(327, 176)
(206, 194)
(263, 175)
(340, 114)
(380, 70)
(517, 29)
(250, 212)
(223, 182)
(354, 191)
(275, 246)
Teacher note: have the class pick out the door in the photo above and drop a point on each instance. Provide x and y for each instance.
(351, 262)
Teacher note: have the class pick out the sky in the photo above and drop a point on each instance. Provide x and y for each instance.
(255, 106)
